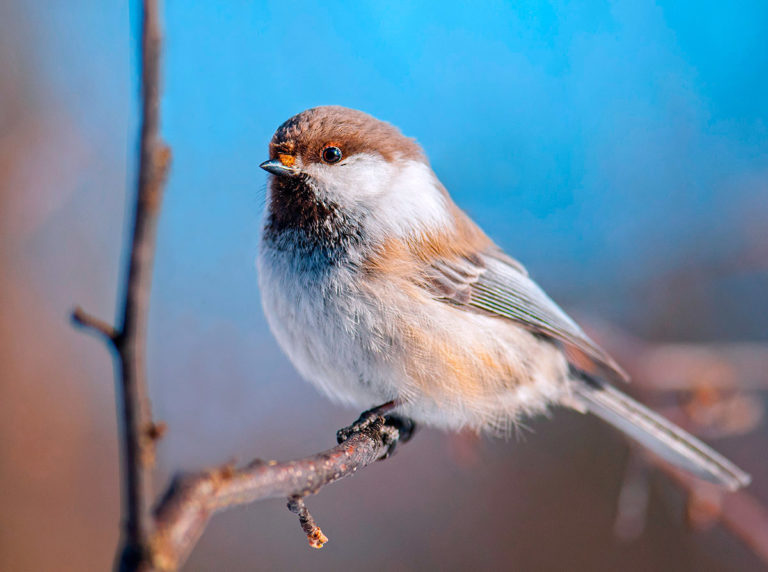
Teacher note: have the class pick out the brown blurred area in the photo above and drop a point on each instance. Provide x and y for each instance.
(544, 500)
(58, 486)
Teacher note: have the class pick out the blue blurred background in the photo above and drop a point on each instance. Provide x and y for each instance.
(619, 149)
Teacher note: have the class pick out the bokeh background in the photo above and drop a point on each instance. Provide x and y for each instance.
(624, 153)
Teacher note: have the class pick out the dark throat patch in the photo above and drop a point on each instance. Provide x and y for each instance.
(296, 209)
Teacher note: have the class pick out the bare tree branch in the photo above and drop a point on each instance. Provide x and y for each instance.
(660, 367)
(740, 512)
(83, 319)
(315, 536)
(192, 499)
(139, 433)
(718, 382)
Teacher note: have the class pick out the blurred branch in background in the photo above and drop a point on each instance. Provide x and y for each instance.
(139, 432)
(713, 394)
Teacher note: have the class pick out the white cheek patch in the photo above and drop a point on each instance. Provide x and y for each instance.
(413, 203)
(396, 199)
(352, 183)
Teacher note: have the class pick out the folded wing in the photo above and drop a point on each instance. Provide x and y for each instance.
(493, 283)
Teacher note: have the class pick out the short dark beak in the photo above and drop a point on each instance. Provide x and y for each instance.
(275, 167)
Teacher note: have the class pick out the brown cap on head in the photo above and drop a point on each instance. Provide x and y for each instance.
(306, 135)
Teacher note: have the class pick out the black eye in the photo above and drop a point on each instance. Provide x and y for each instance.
(331, 155)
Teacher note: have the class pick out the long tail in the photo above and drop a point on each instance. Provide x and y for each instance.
(662, 437)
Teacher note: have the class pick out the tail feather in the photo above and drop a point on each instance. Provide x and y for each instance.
(661, 436)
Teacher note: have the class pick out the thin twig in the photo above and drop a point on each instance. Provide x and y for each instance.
(315, 536)
(138, 432)
(83, 319)
(192, 499)
(138, 428)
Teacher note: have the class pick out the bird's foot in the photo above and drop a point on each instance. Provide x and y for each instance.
(402, 429)
(392, 428)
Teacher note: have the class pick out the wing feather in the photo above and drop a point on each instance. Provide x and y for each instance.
(495, 284)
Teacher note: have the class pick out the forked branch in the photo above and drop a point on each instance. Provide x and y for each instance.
(138, 431)
(192, 499)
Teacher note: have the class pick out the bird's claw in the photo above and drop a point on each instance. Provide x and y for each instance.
(366, 420)
(393, 429)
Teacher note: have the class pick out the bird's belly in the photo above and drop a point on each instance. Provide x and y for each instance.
(330, 331)
(365, 344)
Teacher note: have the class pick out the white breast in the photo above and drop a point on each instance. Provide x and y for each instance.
(329, 328)
(342, 336)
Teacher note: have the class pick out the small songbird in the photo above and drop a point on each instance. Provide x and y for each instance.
(382, 292)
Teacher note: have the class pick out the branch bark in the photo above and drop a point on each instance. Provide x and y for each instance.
(138, 432)
(191, 500)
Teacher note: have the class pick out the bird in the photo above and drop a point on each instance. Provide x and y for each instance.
(388, 297)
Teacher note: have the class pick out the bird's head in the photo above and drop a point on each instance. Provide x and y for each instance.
(332, 164)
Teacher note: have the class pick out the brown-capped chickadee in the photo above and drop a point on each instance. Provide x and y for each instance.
(382, 291)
